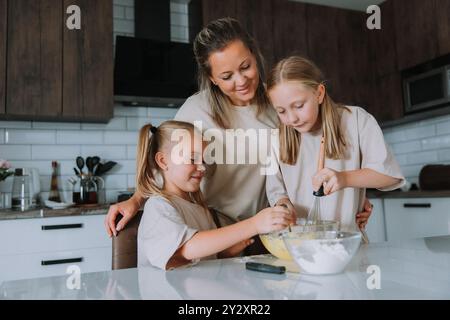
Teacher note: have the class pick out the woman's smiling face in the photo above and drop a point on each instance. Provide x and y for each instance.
(234, 70)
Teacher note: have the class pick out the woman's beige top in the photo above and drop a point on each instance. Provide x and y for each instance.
(366, 148)
(236, 189)
(166, 225)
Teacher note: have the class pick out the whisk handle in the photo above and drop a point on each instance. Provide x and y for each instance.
(319, 193)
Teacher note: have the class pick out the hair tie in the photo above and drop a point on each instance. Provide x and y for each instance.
(153, 130)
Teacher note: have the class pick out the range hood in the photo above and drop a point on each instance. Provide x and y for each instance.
(153, 73)
(150, 70)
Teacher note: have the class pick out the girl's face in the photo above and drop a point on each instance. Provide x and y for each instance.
(183, 174)
(234, 70)
(297, 105)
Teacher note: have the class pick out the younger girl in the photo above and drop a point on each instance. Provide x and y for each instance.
(176, 226)
(357, 156)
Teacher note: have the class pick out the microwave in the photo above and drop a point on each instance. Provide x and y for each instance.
(427, 90)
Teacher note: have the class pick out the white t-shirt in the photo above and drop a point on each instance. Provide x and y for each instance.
(236, 190)
(166, 225)
(366, 148)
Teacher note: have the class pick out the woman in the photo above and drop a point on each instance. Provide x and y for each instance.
(232, 96)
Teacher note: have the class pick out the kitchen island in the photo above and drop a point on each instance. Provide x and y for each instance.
(413, 269)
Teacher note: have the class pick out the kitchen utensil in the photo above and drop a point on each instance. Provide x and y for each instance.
(95, 162)
(85, 190)
(322, 252)
(80, 164)
(314, 212)
(21, 193)
(103, 168)
(77, 173)
(89, 165)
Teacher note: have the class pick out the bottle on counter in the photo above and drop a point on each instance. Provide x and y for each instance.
(54, 192)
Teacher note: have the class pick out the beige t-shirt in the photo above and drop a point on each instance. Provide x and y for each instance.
(366, 148)
(237, 190)
(165, 226)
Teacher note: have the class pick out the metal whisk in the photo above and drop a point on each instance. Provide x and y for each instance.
(314, 216)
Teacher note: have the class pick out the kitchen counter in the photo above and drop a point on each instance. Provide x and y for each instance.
(372, 193)
(44, 212)
(415, 269)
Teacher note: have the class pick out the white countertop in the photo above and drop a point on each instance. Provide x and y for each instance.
(415, 269)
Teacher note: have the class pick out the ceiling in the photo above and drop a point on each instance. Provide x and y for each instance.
(360, 5)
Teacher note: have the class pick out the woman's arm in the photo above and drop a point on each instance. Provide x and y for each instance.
(127, 209)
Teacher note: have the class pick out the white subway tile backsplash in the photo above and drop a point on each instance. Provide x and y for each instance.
(411, 171)
(168, 113)
(178, 7)
(436, 143)
(179, 19)
(79, 137)
(116, 181)
(106, 153)
(122, 25)
(124, 167)
(422, 157)
(157, 121)
(121, 137)
(111, 195)
(444, 156)
(406, 147)
(130, 111)
(118, 12)
(443, 127)
(129, 3)
(44, 167)
(15, 124)
(56, 125)
(413, 133)
(50, 152)
(117, 123)
(129, 13)
(131, 181)
(2, 135)
(135, 123)
(131, 152)
(179, 33)
(16, 136)
(15, 152)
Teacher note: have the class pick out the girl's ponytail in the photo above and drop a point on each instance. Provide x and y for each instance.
(146, 166)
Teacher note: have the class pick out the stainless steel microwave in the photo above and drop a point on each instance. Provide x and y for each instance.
(427, 90)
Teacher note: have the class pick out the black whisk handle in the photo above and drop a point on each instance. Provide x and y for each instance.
(319, 193)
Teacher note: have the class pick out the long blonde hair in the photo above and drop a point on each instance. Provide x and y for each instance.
(213, 38)
(302, 70)
(151, 140)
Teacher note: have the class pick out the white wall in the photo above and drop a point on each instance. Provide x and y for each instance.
(36, 144)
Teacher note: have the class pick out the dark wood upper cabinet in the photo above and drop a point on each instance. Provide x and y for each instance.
(88, 67)
(416, 30)
(443, 26)
(3, 19)
(215, 9)
(289, 29)
(34, 58)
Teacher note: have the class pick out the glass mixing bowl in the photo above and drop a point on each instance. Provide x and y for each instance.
(322, 252)
(274, 241)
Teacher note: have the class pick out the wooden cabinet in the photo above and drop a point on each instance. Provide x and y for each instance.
(3, 15)
(416, 29)
(54, 73)
(443, 26)
(289, 29)
(88, 70)
(215, 9)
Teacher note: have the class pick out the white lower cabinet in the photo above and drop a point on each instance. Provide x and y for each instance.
(32, 248)
(375, 228)
(408, 218)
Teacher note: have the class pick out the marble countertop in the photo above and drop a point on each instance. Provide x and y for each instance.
(414, 269)
(44, 212)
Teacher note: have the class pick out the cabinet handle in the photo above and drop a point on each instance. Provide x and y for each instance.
(61, 261)
(63, 226)
(417, 205)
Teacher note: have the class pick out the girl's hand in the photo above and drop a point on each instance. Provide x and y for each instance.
(363, 217)
(331, 180)
(285, 202)
(271, 219)
(235, 250)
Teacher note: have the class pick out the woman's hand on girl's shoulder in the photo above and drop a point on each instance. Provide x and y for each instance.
(271, 219)
(330, 179)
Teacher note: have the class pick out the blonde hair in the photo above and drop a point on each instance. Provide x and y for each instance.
(302, 70)
(151, 140)
(213, 38)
